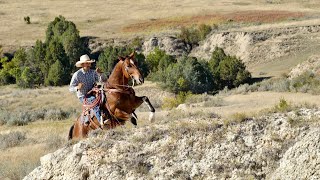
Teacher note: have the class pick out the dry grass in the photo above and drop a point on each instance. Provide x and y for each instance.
(237, 17)
(106, 19)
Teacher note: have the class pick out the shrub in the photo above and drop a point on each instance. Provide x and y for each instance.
(54, 142)
(23, 116)
(227, 70)
(157, 62)
(188, 75)
(136, 43)
(27, 19)
(5, 76)
(67, 34)
(109, 58)
(194, 34)
(57, 75)
(283, 106)
(180, 98)
(11, 139)
(62, 44)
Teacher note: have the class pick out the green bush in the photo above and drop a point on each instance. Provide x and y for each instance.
(5, 76)
(172, 102)
(188, 75)
(157, 62)
(67, 34)
(194, 34)
(136, 43)
(62, 44)
(109, 58)
(153, 59)
(283, 106)
(227, 70)
(57, 75)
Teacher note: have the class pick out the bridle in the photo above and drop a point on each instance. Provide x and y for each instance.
(124, 88)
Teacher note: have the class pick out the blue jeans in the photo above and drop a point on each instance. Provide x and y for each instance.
(96, 109)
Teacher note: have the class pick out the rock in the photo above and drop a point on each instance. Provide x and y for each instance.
(194, 148)
(302, 160)
(311, 65)
(258, 46)
(171, 45)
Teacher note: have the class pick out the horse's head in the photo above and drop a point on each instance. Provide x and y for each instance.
(130, 69)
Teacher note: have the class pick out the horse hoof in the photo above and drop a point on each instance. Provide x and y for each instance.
(152, 117)
(134, 121)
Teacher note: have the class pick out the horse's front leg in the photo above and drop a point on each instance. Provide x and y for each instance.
(145, 99)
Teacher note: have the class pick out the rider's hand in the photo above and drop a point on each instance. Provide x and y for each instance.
(98, 70)
(80, 85)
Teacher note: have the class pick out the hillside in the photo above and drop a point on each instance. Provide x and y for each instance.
(267, 130)
(127, 19)
(184, 145)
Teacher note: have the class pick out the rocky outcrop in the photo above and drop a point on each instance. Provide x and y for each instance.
(259, 46)
(302, 160)
(187, 146)
(170, 45)
(311, 65)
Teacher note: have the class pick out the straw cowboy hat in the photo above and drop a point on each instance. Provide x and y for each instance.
(84, 59)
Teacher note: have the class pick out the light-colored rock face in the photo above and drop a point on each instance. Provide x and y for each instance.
(270, 146)
(311, 65)
(259, 46)
(301, 161)
(170, 45)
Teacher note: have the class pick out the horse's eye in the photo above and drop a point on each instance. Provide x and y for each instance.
(129, 66)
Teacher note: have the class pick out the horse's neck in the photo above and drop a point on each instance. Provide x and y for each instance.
(117, 77)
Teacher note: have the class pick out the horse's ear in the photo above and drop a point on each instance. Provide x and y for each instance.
(131, 55)
(121, 58)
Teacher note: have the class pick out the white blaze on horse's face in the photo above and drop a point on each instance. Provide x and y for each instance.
(133, 71)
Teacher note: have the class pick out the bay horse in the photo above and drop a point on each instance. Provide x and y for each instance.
(120, 102)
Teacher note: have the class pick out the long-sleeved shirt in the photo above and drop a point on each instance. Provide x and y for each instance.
(86, 78)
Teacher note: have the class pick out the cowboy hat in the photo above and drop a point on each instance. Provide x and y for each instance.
(84, 59)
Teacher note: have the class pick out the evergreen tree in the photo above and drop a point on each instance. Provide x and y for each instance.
(227, 70)
(57, 75)
(55, 52)
(188, 75)
(109, 58)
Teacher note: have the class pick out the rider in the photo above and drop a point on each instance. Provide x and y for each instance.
(83, 81)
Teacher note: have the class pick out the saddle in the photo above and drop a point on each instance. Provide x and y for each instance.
(88, 107)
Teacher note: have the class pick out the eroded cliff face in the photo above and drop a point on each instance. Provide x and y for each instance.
(273, 146)
(260, 46)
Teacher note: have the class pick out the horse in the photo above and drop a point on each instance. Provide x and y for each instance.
(120, 102)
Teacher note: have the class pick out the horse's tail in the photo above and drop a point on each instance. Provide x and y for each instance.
(70, 132)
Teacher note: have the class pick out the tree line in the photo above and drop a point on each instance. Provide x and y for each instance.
(52, 62)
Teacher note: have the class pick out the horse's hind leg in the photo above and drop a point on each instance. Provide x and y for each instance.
(71, 132)
(152, 110)
(122, 115)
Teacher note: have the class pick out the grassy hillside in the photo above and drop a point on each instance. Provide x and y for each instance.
(114, 19)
